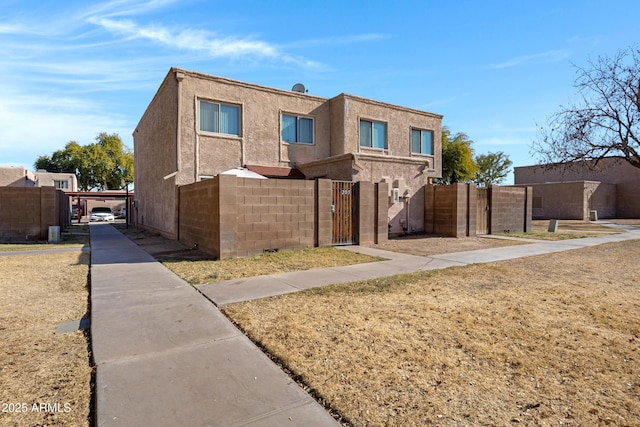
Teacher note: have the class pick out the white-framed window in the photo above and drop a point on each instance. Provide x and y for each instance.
(422, 141)
(61, 185)
(297, 129)
(219, 118)
(373, 134)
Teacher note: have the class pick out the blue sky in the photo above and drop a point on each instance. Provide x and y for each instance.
(495, 69)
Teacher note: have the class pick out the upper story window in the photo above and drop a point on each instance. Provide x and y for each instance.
(219, 118)
(61, 185)
(422, 141)
(373, 134)
(297, 129)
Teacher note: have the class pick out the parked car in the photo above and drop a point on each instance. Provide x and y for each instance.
(74, 212)
(102, 213)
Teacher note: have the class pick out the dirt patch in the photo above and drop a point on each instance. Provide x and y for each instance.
(426, 245)
(45, 377)
(546, 340)
(161, 248)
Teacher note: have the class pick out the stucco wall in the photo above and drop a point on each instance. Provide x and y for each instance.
(171, 152)
(259, 141)
(16, 177)
(348, 110)
(154, 141)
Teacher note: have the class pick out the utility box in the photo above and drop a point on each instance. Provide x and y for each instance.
(553, 226)
(593, 215)
(54, 234)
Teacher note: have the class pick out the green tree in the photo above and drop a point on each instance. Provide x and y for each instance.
(492, 168)
(106, 164)
(457, 158)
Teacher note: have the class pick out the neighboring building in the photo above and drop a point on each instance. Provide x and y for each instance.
(199, 125)
(16, 177)
(21, 177)
(60, 181)
(611, 188)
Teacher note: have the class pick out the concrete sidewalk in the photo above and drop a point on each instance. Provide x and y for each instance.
(232, 291)
(165, 356)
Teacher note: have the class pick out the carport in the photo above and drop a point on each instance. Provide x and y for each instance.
(80, 198)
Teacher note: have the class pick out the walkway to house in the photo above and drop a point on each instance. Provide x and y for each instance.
(166, 356)
(232, 291)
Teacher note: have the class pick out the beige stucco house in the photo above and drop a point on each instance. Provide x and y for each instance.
(21, 177)
(610, 188)
(199, 125)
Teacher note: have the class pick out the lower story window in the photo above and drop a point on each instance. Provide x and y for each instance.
(373, 134)
(421, 141)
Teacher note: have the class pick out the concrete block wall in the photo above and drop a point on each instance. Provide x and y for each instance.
(601, 198)
(27, 213)
(510, 209)
(271, 214)
(574, 200)
(199, 216)
(451, 210)
(446, 210)
(381, 225)
(230, 217)
(558, 200)
(625, 203)
(323, 220)
(366, 210)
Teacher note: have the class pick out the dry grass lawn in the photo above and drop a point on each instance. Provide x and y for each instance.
(547, 340)
(567, 229)
(38, 365)
(209, 271)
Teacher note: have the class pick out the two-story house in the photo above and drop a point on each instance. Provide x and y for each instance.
(199, 125)
(21, 177)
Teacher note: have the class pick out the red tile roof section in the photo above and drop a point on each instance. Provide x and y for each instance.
(276, 172)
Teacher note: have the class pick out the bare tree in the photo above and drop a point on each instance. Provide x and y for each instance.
(604, 121)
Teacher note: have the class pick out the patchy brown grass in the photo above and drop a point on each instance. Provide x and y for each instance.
(567, 229)
(38, 365)
(207, 271)
(547, 340)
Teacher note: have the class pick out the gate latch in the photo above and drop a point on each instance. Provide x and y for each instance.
(333, 208)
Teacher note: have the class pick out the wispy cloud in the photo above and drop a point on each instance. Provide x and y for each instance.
(214, 45)
(115, 8)
(336, 41)
(537, 58)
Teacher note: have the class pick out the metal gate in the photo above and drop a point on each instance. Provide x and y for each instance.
(483, 216)
(344, 211)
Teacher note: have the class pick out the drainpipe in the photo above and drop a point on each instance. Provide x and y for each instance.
(179, 78)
